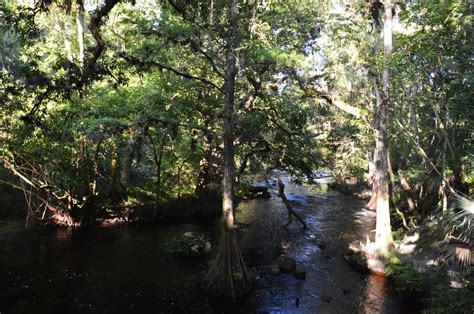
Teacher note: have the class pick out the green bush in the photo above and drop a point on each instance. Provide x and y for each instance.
(442, 300)
(398, 234)
(430, 288)
(408, 281)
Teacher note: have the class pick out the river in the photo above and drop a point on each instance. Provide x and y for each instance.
(128, 269)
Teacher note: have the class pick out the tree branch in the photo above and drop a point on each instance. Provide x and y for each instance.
(175, 39)
(135, 61)
(212, 63)
(423, 153)
(311, 92)
(186, 17)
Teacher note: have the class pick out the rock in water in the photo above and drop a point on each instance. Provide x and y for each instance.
(257, 192)
(275, 268)
(357, 260)
(191, 244)
(299, 273)
(326, 298)
(286, 264)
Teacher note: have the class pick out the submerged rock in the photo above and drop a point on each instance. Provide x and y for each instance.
(299, 273)
(275, 268)
(326, 298)
(252, 192)
(191, 244)
(357, 260)
(286, 264)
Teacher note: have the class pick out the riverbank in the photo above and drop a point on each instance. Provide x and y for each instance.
(422, 268)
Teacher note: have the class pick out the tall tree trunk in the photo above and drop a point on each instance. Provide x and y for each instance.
(228, 179)
(80, 31)
(67, 42)
(228, 275)
(61, 27)
(383, 233)
(372, 204)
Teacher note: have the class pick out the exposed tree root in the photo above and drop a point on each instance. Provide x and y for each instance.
(228, 276)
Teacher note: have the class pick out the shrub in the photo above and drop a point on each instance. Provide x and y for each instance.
(408, 281)
(442, 300)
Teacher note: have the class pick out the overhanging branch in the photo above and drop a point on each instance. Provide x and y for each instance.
(135, 61)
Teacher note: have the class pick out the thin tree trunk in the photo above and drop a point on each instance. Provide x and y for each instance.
(61, 27)
(80, 32)
(67, 42)
(408, 191)
(443, 183)
(383, 233)
(114, 182)
(423, 154)
(158, 157)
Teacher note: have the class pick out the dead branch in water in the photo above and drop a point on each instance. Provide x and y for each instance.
(291, 212)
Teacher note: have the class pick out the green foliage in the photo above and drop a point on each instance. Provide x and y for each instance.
(432, 288)
(448, 300)
(190, 244)
(460, 220)
(457, 224)
(408, 281)
(155, 89)
(398, 235)
(237, 275)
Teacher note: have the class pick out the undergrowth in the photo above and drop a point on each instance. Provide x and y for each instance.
(429, 288)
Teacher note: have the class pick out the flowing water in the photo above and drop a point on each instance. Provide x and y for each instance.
(128, 268)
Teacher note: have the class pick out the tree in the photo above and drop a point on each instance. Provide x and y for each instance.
(228, 275)
(383, 232)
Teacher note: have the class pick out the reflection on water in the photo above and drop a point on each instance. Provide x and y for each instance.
(103, 270)
(129, 269)
(375, 294)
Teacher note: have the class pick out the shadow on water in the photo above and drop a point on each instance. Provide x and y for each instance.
(127, 268)
(105, 270)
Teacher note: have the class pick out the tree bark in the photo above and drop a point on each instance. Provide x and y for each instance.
(372, 204)
(228, 180)
(383, 233)
(228, 275)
